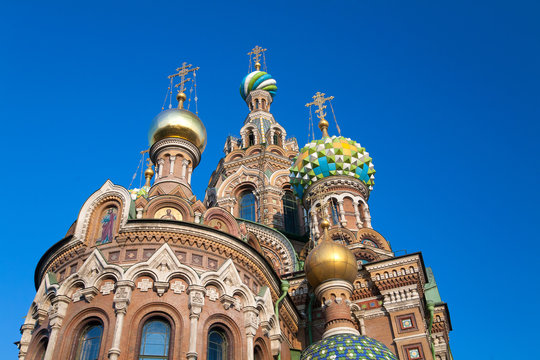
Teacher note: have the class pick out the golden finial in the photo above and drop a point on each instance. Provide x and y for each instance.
(319, 100)
(256, 54)
(183, 71)
(148, 173)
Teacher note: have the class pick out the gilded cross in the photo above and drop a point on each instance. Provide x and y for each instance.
(319, 100)
(255, 53)
(183, 71)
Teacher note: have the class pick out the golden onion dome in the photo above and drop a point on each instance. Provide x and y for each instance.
(178, 123)
(330, 261)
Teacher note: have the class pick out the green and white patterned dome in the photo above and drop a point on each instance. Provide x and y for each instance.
(347, 346)
(330, 156)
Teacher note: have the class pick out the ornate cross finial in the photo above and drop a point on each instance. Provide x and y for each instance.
(183, 71)
(255, 53)
(319, 100)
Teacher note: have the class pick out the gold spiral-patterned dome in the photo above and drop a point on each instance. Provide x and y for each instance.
(178, 123)
(330, 261)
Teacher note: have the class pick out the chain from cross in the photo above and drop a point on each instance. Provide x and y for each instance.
(255, 53)
(183, 71)
(319, 100)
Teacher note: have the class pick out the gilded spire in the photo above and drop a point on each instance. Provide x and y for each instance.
(319, 100)
(148, 173)
(255, 54)
(182, 71)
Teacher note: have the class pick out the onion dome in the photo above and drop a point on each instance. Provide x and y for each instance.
(258, 80)
(348, 346)
(330, 261)
(178, 123)
(329, 156)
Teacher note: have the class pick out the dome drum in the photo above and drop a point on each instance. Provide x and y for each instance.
(333, 183)
(175, 143)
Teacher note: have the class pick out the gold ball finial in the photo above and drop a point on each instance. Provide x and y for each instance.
(325, 224)
(323, 125)
(148, 173)
(181, 97)
(258, 65)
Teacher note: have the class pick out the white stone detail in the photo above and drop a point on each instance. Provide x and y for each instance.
(144, 285)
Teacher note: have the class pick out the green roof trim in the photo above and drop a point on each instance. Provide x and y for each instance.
(52, 278)
(431, 290)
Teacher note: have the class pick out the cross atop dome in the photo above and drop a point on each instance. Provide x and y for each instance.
(182, 72)
(255, 54)
(319, 100)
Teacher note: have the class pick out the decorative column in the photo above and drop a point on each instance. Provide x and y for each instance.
(26, 336)
(160, 168)
(367, 216)
(184, 168)
(122, 297)
(196, 302)
(343, 220)
(190, 170)
(251, 323)
(171, 166)
(315, 224)
(56, 316)
(359, 223)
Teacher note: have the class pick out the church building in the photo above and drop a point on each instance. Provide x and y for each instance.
(280, 260)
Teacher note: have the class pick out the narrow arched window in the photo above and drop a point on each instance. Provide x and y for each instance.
(89, 342)
(251, 138)
(155, 338)
(247, 206)
(42, 348)
(217, 345)
(335, 212)
(258, 354)
(290, 213)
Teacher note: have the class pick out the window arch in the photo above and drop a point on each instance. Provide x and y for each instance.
(258, 353)
(290, 212)
(155, 339)
(247, 206)
(250, 138)
(218, 346)
(41, 349)
(334, 207)
(89, 342)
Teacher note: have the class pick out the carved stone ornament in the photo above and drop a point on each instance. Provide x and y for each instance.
(144, 285)
(177, 287)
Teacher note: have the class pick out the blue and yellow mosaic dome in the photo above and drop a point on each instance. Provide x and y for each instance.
(347, 346)
(329, 156)
(258, 80)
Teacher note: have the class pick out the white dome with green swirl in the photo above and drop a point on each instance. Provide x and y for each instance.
(330, 156)
(258, 80)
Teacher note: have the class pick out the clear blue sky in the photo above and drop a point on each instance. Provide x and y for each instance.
(444, 96)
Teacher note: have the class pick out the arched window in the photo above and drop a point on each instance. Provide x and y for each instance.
(155, 340)
(217, 345)
(277, 138)
(290, 213)
(251, 138)
(89, 342)
(258, 354)
(42, 348)
(335, 212)
(247, 206)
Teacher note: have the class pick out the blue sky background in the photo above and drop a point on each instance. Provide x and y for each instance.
(444, 96)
